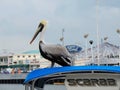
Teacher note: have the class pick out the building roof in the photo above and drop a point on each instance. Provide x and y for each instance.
(31, 52)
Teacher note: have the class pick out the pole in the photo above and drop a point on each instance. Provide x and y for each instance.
(86, 47)
(8, 61)
(62, 38)
(98, 59)
(118, 31)
(91, 44)
(119, 50)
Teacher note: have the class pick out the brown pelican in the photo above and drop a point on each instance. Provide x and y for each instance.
(54, 53)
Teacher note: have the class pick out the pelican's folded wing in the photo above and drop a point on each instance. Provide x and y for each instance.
(56, 50)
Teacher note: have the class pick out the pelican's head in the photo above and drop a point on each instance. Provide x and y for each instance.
(41, 28)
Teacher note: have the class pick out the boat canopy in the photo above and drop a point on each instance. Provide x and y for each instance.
(49, 72)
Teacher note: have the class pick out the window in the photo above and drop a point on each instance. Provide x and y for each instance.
(18, 56)
(1, 60)
(20, 62)
(34, 56)
(29, 56)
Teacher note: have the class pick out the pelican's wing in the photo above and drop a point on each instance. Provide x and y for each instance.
(59, 53)
(55, 50)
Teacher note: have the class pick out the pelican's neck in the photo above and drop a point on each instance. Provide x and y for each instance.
(42, 35)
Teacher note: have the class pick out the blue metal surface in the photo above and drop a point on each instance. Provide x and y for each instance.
(73, 48)
(40, 73)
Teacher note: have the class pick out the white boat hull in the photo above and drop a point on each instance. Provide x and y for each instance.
(93, 81)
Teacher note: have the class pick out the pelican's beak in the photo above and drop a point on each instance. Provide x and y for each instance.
(39, 29)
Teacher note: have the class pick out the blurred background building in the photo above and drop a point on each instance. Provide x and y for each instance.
(30, 60)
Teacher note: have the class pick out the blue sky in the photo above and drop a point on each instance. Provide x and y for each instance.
(20, 18)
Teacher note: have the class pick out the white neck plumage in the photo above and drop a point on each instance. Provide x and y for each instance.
(42, 35)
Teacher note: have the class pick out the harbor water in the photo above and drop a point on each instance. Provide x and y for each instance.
(22, 87)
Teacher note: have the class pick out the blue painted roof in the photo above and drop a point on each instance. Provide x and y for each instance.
(40, 73)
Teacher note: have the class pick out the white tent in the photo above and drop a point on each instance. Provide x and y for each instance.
(108, 54)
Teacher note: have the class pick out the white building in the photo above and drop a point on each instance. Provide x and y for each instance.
(5, 60)
(32, 58)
